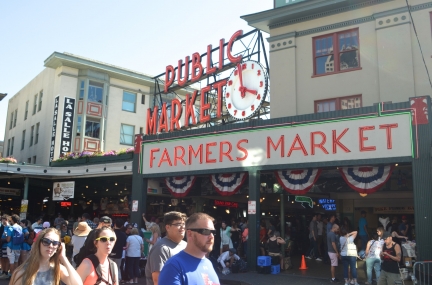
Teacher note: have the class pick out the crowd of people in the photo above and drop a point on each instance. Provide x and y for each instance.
(88, 250)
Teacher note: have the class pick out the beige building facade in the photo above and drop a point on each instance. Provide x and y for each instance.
(110, 108)
(332, 55)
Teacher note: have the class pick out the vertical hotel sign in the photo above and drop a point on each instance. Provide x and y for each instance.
(54, 128)
(67, 126)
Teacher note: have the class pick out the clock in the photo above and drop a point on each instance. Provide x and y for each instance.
(246, 89)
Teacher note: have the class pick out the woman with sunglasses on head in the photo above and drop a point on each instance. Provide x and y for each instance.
(47, 263)
(134, 248)
(103, 244)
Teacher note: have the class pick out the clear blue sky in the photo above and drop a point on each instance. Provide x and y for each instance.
(141, 35)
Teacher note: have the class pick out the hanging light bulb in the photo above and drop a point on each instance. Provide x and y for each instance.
(363, 194)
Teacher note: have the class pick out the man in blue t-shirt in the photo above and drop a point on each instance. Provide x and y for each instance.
(13, 250)
(363, 231)
(190, 266)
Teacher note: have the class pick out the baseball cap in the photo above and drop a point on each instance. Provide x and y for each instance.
(386, 235)
(404, 218)
(106, 220)
(233, 250)
(46, 225)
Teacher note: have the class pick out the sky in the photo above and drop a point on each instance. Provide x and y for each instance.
(140, 35)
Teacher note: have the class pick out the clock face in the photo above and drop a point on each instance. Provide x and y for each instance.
(246, 89)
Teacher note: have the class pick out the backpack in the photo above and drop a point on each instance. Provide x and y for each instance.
(30, 238)
(95, 262)
(17, 237)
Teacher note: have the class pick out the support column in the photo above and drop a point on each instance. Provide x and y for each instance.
(422, 181)
(254, 219)
(26, 185)
(282, 222)
(139, 188)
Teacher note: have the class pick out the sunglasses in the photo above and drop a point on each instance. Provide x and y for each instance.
(47, 242)
(105, 239)
(204, 232)
(179, 225)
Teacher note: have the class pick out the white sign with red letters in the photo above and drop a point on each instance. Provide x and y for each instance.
(367, 138)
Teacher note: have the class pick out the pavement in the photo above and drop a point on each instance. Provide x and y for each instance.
(317, 273)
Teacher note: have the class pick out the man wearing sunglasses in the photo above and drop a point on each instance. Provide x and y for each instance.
(166, 247)
(191, 266)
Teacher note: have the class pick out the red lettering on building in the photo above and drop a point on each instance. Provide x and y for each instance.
(196, 64)
(176, 112)
(210, 69)
(209, 152)
(178, 156)
(195, 154)
(242, 149)
(319, 145)
(152, 157)
(281, 143)
(163, 119)
(169, 77)
(234, 59)
(301, 147)
(218, 86)
(362, 138)
(151, 121)
(336, 141)
(165, 158)
(189, 109)
(226, 153)
(204, 107)
(185, 79)
(388, 128)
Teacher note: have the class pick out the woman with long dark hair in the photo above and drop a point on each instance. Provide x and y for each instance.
(104, 240)
(47, 263)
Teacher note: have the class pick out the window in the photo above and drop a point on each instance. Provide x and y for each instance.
(29, 160)
(40, 100)
(95, 92)
(12, 145)
(92, 128)
(26, 110)
(31, 135)
(336, 52)
(34, 159)
(23, 140)
(11, 120)
(341, 103)
(79, 126)
(35, 104)
(15, 117)
(37, 133)
(127, 134)
(8, 147)
(142, 99)
(129, 100)
(81, 94)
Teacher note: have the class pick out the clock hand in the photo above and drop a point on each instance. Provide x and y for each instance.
(254, 92)
(241, 88)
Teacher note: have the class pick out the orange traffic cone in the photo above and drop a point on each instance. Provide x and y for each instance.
(303, 263)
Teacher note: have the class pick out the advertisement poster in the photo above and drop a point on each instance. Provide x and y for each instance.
(63, 190)
(135, 206)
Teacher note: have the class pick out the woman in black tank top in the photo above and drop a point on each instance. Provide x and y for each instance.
(274, 249)
(390, 256)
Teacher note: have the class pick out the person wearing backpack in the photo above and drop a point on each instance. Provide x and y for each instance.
(97, 268)
(28, 241)
(15, 239)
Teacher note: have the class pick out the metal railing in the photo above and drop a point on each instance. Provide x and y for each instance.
(422, 271)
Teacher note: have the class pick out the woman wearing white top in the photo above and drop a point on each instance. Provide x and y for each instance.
(156, 235)
(134, 248)
(348, 261)
(226, 242)
(373, 260)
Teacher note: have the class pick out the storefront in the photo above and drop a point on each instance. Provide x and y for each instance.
(379, 137)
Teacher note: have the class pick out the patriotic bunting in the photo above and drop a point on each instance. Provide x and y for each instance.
(297, 182)
(181, 185)
(227, 184)
(366, 179)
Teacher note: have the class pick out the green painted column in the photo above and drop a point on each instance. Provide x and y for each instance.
(26, 185)
(422, 183)
(254, 219)
(282, 221)
(139, 190)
